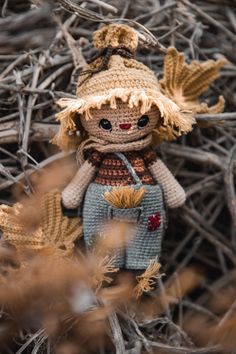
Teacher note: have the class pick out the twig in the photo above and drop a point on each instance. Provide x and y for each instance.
(9, 132)
(195, 155)
(189, 218)
(116, 333)
(156, 11)
(104, 5)
(229, 185)
(31, 102)
(169, 349)
(78, 58)
(210, 19)
(221, 117)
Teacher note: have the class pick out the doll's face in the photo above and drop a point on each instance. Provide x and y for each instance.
(122, 124)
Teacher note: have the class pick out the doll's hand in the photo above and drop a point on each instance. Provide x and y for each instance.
(173, 192)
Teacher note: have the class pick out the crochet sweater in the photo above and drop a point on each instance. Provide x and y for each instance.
(108, 169)
(112, 171)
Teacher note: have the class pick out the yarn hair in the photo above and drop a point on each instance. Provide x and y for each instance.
(173, 123)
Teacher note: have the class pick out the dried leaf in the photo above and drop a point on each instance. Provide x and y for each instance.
(185, 83)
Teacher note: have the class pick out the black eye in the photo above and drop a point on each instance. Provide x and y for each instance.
(143, 121)
(105, 124)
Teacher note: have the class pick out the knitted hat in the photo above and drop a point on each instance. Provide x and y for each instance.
(116, 75)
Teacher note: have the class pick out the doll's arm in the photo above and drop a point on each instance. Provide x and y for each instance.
(73, 194)
(173, 192)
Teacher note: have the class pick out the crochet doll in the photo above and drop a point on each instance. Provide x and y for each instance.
(118, 115)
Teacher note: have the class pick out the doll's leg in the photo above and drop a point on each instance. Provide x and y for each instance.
(146, 244)
(95, 218)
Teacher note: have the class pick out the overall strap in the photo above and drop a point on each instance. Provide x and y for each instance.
(129, 167)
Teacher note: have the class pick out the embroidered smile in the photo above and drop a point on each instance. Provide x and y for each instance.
(125, 126)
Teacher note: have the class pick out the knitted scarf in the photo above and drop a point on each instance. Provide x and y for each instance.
(104, 146)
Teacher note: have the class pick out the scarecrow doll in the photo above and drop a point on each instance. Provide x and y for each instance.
(118, 117)
(119, 113)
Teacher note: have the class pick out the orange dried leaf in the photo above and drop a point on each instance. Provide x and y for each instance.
(185, 83)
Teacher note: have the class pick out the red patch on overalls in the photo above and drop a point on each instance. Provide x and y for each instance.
(154, 221)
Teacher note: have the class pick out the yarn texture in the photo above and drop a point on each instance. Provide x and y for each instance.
(55, 231)
(122, 112)
(125, 80)
(185, 83)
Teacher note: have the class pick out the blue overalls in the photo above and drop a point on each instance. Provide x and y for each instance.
(148, 218)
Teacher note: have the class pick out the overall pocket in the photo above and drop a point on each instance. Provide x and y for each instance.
(125, 203)
(129, 215)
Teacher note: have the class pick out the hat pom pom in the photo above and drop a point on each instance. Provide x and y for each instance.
(116, 35)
